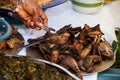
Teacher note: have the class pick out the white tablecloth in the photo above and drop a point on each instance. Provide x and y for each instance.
(63, 14)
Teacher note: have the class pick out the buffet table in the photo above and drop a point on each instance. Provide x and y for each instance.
(64, 14)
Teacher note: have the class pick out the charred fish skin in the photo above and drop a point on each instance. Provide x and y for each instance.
(106, 50)
(78, 49)
(69, 62)
(87, 64)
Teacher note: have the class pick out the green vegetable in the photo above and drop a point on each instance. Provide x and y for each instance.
(117, 62)
(24, 68)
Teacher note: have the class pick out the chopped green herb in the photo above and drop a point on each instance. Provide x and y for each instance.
(24, 68)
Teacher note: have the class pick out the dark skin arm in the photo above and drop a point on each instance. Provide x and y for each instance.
(31, 14)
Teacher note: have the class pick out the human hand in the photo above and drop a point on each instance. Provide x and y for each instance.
(32, 15)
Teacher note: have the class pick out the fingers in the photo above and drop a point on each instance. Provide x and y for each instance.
(29, 24)
(40, 19)
(38, 25)
(43, 17)
(36, 20)
(32, 16)
(34, 25)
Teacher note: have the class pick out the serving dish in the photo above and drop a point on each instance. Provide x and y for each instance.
(5, 29)
(4, 12)
(86, 6)
(35, 53)
(53, 4)
(14, 50)
(24, 66)
(12, 42)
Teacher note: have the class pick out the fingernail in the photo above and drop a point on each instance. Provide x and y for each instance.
(32, 23)
(39, 24)
(37, 28)
(28, 21)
